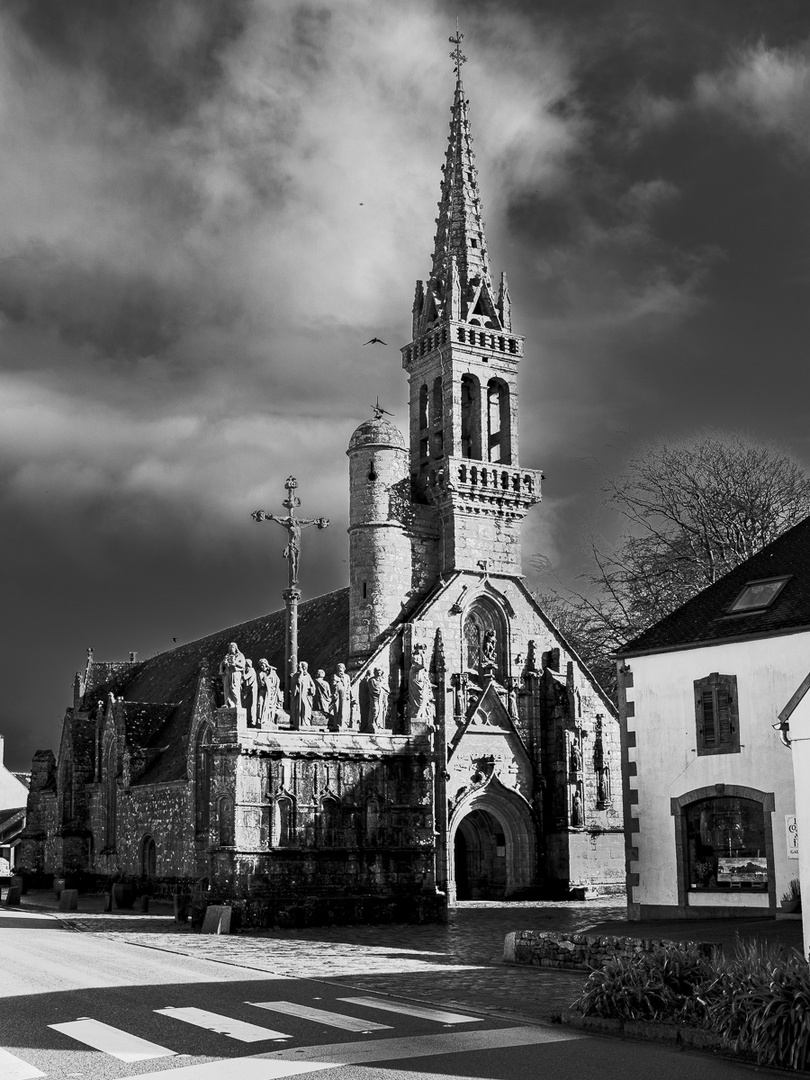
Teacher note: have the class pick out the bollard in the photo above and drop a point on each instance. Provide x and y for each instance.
(69, 900)
(13, 894)
(217, 920)
(180, 907)
(143, 903)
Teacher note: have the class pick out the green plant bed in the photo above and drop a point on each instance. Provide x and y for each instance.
(756, 999)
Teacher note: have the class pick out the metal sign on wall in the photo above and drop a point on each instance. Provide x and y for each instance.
(792, 836)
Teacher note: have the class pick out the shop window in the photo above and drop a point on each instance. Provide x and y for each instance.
(716, 715)
(726, 845)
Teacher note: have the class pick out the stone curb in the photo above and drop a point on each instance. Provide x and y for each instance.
(685, 1038)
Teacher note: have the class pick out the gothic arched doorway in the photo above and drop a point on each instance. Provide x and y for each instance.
(493, 849)
(480, 856)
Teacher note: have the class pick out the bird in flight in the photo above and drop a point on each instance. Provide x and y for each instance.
(375, 341)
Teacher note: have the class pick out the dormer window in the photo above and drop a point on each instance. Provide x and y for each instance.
(758, 595)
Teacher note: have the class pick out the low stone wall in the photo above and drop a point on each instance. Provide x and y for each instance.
(580, 952)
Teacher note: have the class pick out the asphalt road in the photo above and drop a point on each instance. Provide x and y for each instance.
(84, 1006)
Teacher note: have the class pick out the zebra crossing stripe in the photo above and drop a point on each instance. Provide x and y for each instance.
(111, 1040)
(441, 1016)
(246, 1068)
(224, 1025)
(320, 1016)
(14, 1068)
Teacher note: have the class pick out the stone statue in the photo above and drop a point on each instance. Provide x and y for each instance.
(489, 653)
(323, 693)
(420, 689)
(250, 693)
(576, 810)
(269, 696)
(341, 716)
(231, 669)
(576, 758)
(302, 697)
(377, 690)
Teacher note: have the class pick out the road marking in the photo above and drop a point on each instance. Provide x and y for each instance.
(224, 1025)
(113, 1041)
(14, 1068)
(441, 1016)
(451, 1042)
(321, 1016)
(246, 1068)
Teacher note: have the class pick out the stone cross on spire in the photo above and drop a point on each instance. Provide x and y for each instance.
(292, 553)
(457, 55)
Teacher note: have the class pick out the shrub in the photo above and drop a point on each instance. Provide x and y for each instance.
(660, 985)
(759, 1001)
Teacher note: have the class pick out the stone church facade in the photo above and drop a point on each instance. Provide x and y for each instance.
(460, 751)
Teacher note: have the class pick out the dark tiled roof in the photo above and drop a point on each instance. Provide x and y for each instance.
(170, 678)
(11, 822)
(704, 618)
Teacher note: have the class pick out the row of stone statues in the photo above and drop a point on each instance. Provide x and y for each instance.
(259, 693)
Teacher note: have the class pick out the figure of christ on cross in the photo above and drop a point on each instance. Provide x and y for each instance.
(292, 553)
(293, 525)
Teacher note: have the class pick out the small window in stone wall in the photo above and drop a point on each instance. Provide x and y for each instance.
(328, 823)
(284, 822)
(716, 715)
(225, 821)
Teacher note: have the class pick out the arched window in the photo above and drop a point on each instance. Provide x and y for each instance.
(470, 417)
(284, 822)
(499, 441)
(484, 638)
(110, 794)
(225, 821)
(202, 779)
(328, 822)
(423, 407)
(148, 857)
(438, 404)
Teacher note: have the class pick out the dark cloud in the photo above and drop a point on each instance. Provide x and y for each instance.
(160, 58)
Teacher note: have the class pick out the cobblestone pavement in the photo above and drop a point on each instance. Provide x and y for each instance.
(458, 963)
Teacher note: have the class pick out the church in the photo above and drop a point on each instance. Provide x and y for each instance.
(422, 736)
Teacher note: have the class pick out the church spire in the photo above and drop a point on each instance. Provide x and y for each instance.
(459, 286)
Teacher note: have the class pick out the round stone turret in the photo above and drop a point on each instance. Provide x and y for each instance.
(379, 548)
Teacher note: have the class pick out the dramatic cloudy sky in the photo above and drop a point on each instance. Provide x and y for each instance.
(209, 205)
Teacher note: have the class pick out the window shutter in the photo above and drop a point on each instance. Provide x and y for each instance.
(709, 725)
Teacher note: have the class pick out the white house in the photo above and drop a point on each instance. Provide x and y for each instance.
(794, 728)
(13, 797)
(709, 784)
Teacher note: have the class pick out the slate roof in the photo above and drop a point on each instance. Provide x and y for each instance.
(704, 620)
(169, 680)
(11, 823)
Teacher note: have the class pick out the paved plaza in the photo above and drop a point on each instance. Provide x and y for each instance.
(459, 963)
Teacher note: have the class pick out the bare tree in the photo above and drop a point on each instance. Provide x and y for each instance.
(693, 510)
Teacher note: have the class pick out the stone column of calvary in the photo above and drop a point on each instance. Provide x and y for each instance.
(292, 553)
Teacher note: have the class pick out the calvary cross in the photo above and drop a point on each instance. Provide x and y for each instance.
(292, 553)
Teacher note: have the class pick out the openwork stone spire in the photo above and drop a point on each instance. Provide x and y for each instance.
(460, 286)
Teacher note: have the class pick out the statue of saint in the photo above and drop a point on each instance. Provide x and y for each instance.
(420, 689)
(250, 692)
(341, 716)
(489, 653)
(269, 693)
(576, 810)
(231, 669)
(376, 686)
(302, 697)
(323, 693)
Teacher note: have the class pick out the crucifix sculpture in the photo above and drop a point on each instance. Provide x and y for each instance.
(292, 553)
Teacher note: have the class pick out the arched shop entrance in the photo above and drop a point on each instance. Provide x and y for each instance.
(493, 851)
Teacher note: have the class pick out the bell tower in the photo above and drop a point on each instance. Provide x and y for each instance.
(462, 368)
